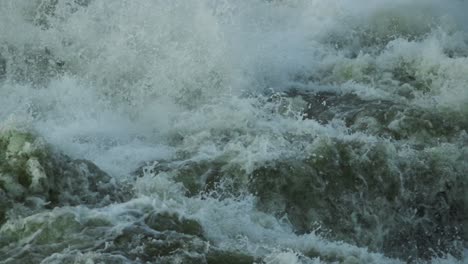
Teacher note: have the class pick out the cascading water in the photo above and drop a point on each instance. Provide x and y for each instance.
(219, 131)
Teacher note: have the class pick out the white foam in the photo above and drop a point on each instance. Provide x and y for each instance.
(138, 74)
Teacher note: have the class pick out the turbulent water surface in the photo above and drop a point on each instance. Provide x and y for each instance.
(219, 131)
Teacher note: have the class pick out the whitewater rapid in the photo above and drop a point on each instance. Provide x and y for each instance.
(290, 131)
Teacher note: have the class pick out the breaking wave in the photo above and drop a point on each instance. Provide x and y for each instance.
(218, 131)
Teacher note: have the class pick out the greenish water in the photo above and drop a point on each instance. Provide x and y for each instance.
(220, 131)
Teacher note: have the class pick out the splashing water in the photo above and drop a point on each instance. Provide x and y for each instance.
(259, 131)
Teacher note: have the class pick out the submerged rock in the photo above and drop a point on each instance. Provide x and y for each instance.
(172, 221)
(407, 203)
(383, 118)
(398, 185)
(31, 170)
(78, 235)
(403, 193)
(196, 177)
(168, 238)
(141, 243)
(225, 257)
(372, 197)
(32, 239)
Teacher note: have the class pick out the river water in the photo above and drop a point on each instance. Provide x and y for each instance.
(284, 131)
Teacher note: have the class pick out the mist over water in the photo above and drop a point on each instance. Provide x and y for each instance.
(281, 131)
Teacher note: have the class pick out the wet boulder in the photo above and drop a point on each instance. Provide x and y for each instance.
(172, 221)
(30, 170)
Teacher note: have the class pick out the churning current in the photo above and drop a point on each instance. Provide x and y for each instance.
(222, 131)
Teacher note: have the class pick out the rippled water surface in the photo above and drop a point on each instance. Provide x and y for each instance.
(219, 131)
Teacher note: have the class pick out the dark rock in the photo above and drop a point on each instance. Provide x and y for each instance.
(382, 118)
(143, 243)
(225, 257)
(172, 221)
